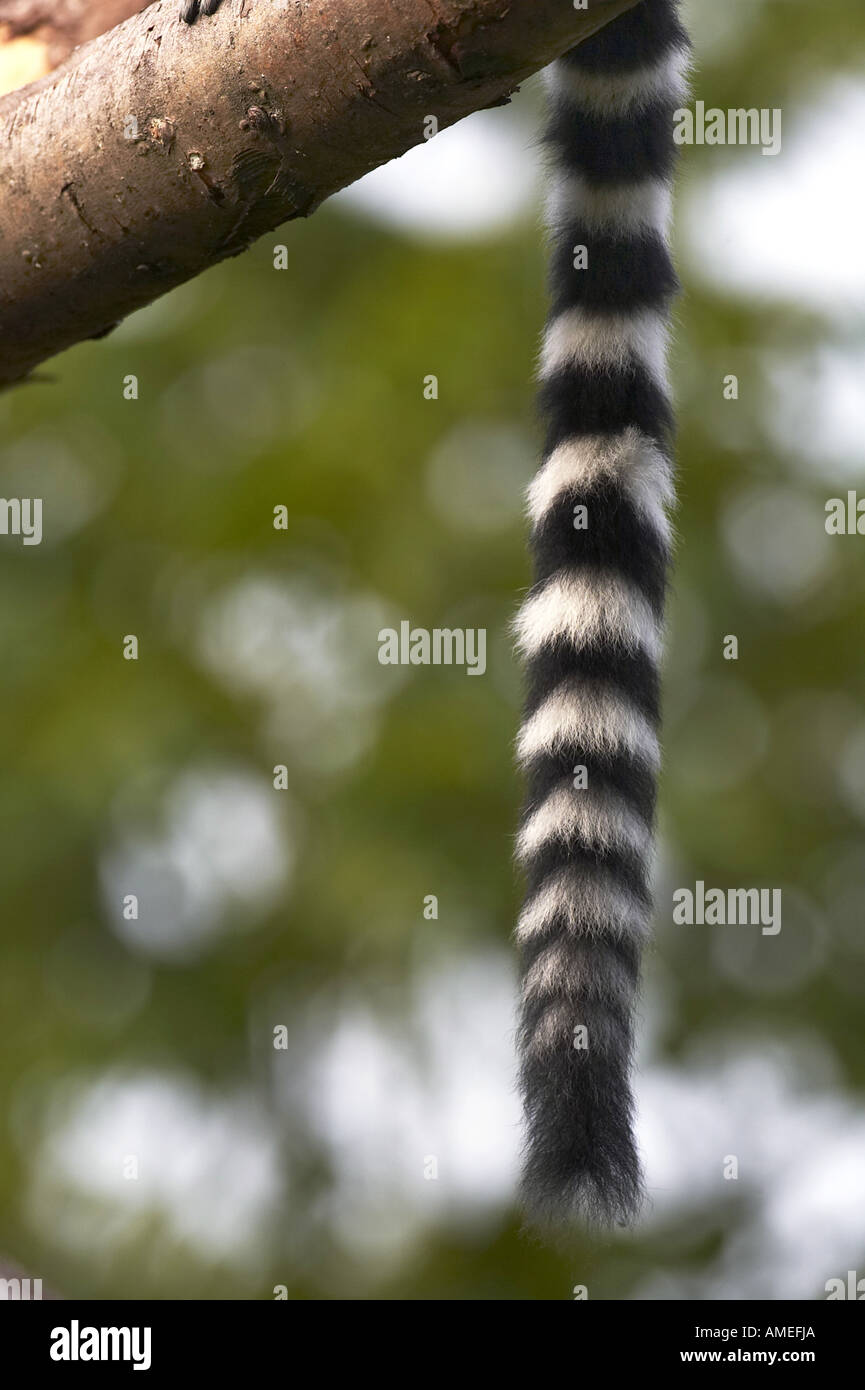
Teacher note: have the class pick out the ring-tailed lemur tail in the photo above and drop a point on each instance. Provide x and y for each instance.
(590, 628)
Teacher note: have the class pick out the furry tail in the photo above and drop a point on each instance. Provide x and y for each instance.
(591, 627)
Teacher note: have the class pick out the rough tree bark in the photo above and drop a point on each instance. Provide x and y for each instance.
(36, 35)
(158, 149)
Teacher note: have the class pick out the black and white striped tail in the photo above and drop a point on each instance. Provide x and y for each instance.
(591, 627)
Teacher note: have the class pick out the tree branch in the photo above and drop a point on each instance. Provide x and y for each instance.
(159, 149)
(36, 35)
